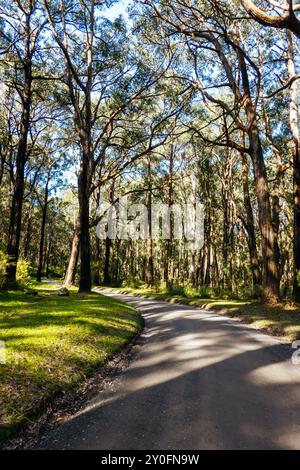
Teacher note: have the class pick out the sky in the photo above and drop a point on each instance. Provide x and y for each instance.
(117, 9)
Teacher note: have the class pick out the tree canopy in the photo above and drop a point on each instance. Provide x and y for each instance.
(173, 103)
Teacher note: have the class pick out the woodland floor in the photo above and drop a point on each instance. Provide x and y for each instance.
(282, 320)
(52, 344)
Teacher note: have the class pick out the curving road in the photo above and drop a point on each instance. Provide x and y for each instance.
(200, 381)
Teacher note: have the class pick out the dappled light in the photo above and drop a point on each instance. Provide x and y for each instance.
(149, 224)
(52, 344)
(218, 384)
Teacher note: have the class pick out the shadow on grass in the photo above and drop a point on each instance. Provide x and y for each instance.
(53, 344)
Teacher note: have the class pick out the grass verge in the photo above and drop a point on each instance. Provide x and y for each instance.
(281, 320)
(52, 344)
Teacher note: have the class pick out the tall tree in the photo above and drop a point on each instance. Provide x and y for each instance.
(294, 125)
(19, 33)
(104, 84)
(287, 19)
(232, 54)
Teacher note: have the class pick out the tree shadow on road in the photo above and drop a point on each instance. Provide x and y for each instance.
(199, 383)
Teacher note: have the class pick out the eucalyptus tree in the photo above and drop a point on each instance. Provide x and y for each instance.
(21, 25)
(109, 87)
(50, 179)
(86, 63)
(283, 15)
(226, 49)
(294, 126)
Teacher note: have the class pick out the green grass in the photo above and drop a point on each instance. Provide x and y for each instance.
(280, 320)
(52, 344)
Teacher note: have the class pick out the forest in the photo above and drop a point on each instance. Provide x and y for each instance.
(118, 121)
(169, 101)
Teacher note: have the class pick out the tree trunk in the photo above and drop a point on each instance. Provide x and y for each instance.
(150, 265)
(85, 280)
(97, 259)
(18, 190)
(168, 268)
(108, 242)
(269, 249)
(227, 197)
(47, 257)
(192, 273)
(208, 227)
(294, 124)
(42, 237)
(97, 269)
(254, 264)
(106, 270)
(149, 261)
(27, 238)
(72, 266)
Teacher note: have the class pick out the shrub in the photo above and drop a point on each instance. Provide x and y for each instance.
(176, 290)
(3, 264)
(133, 282)
(191, 291)
(23, 268)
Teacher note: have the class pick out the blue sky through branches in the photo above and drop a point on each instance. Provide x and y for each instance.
(117, 9)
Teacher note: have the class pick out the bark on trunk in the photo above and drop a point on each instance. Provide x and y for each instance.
(254, 264)
(42, 237)
(18, 189)
(85, 280)
(149, 261)
(106, 270)
(269, 250)
(168, 269)
(27, 238)
(227, 197)
(208, 227)
(107, 278)
(294, 125)
(72, 266)
(98, 260)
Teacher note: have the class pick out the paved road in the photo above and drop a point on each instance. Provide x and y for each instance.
(200, 381)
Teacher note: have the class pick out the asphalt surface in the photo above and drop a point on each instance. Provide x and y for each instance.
(199, 381)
